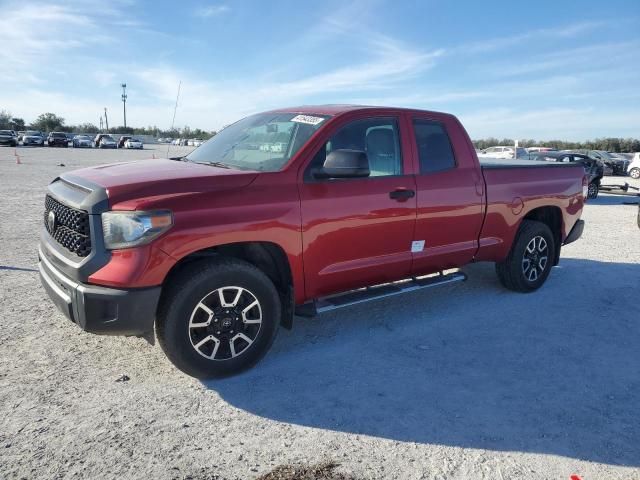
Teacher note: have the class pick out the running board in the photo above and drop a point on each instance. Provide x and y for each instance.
(354, 297)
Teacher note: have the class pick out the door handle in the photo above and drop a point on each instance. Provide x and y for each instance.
(402, 194)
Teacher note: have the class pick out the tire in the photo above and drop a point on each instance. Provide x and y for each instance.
(634, 173)
(513, 273)
(206, 339)
(593, 190)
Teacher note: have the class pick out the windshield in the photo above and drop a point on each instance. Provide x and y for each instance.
(6, 132)
(263, 142)
(604, 154)
(33, 133)
(58, 135)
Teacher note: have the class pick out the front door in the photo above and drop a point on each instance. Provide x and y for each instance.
(358, 231)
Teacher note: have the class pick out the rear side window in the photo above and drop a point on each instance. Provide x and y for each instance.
(434, 147)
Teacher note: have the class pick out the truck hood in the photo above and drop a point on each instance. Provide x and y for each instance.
(132, 184)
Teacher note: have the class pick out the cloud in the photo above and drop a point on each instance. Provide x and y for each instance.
(492, 44)
(211, 11)
(59, 28)
(565, 123)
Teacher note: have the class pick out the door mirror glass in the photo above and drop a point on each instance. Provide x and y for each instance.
(344, 164)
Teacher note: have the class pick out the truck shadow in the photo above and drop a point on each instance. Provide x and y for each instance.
(614, 199)
(554, 372)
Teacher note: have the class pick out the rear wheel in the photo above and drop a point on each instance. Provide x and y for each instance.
(529, 262)
(218, 319)
(635, 173)
(593, 191)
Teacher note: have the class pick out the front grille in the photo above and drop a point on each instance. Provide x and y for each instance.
(70, 227)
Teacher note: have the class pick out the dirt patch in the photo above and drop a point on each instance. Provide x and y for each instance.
(321, 471)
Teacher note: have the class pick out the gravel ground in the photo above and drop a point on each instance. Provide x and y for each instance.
(469, 381)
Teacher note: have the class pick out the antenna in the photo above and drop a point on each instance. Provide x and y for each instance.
(175, 109)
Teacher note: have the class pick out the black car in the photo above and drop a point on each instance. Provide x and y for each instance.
(617, 163)
(58, 139)
(592, 167)
(8, 137)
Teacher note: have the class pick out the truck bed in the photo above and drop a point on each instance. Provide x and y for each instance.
(489, 163)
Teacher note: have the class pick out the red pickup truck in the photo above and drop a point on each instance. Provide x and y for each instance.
(294, 211)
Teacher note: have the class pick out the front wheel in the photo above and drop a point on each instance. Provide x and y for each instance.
(218, 319)
(635, 173)
(593, 190)
(530, 260)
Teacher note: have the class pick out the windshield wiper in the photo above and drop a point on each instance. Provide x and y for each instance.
(213, 164)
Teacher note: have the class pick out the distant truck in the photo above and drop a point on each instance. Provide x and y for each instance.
(217, 249)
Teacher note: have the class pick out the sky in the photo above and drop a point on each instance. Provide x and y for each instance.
(542, 70)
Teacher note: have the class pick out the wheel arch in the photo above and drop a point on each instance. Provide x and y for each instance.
(552, 217)
(269, 257)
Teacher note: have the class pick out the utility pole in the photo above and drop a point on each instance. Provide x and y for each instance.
(106, 119)
(124, 103)
(101, 123)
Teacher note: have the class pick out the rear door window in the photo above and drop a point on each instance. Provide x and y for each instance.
(434, 146)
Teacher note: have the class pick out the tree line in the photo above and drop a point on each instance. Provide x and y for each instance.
(49, 122)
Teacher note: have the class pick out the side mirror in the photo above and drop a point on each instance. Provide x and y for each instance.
(344, 164)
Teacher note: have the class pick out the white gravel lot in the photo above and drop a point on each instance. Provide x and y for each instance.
(461, 382)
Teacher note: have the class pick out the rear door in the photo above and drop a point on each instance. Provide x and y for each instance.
(450, 191)
(358, 232)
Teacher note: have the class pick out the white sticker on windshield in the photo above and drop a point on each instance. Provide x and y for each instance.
(308, 119)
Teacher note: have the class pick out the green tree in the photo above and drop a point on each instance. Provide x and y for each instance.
(85, 128)
(47, 122)
(5, 120)
(17, 123)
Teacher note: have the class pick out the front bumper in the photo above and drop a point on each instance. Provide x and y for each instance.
(575, 233)
(100, 310)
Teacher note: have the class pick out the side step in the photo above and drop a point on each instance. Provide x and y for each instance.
(326, 304)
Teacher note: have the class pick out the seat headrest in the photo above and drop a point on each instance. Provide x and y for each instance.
(380, 141)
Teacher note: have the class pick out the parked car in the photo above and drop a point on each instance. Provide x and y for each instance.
(594, 169)
(634, 167)
(57, 139)
(540, 149)
(122, 140)
(618, 164)
(8, 137)
(216, 251)
(81, 141)
(502, 152)
(134, 143)
(33, 137)
(104, 140)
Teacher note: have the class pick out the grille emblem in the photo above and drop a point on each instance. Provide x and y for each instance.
(51, 221)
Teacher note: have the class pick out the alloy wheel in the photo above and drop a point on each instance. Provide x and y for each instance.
(535, 258)
(225, 323)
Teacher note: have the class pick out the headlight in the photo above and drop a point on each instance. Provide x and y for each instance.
(131, 229)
